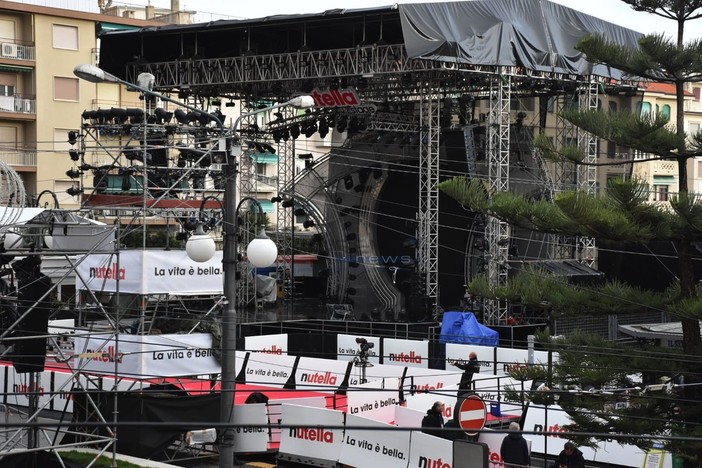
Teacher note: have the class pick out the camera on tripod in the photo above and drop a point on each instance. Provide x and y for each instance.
(364, 344)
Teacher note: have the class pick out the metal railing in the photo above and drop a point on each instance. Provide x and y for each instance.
(13, 50)
(19, 158)
(18, 104)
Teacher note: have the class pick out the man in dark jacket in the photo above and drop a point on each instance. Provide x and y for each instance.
(469, 368)
(433, 422)
(515, 450)
(570, 457)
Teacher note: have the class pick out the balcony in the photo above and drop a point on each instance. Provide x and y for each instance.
(20, 159)
(12, 50)
(18, 104)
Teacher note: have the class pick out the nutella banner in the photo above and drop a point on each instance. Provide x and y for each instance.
(348, 348)
(365, 447)
(406, 353)
(430, 380)
(494, 442)
(268, 344)
(460, 352)
(144, 356)
(430, 451)
(372, 402)
(509, 358)
(322, 375)
(422, 402)
(266, 369)
(309, 442)
(150, 272)
(606, 452)
(251, 434)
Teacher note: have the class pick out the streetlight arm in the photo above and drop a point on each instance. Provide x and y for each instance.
(300, 102)
(95, 74)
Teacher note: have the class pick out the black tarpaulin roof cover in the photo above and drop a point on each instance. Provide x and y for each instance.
(536, 34)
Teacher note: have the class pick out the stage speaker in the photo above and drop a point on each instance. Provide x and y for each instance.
(29, 354)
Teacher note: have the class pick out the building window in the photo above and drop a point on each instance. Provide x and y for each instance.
(65, 37)
(643, 108)
(7, 90)
(611, 149)
(613, 106)
(666, 111)
(65, 89)
(660, 192)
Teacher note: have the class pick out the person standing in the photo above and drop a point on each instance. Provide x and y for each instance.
(570, 457)
(469, 368)
(433, 422)
(515, 450)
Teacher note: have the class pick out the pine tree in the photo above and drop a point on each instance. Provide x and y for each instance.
(621, 214)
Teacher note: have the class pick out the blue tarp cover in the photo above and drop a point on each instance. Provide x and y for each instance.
(463, 327)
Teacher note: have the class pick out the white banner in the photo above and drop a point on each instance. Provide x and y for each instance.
(509, 357)
(460, 352)
(251, 435)
(421, 402)
(430, 451)
(322, 375)
(268, 344)
(556, 418)
(372, 402)
(494, 442)
(147, 355)
(347, 348)
(150, 272)
(267, 369)
(309, 440)
(406, 353)
(379, 449)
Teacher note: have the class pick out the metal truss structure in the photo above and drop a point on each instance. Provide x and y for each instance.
(497, 232)
(385, 74)
(428, 213)
(284, 216)
(587, 172)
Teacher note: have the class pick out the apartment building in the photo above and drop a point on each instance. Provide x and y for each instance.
(40, 98)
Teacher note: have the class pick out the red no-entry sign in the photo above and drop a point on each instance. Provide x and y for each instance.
(472, 414)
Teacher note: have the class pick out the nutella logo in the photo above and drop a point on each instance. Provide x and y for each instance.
(516, 367)
(109, 356)
(425, 462)
(274, 350)
(325, 379)
(406, 357)
(110, 272)
(335, 97)
(554, 428)
(426, 387)
(27, 389)
(313, 435)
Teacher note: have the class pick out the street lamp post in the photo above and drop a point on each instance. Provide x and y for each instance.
(260, 252)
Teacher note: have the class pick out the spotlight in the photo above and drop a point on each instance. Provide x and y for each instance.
(118, 115)
(73, 174)
(181, 116)
(75, 155)
(162, 115)
(308, 224)
(72, 137)
(310, 129)
(288, 203)
(285, 135)
(300, 212)
(323, 127)
(295, 131)
(276, 199)
(341, 124)
(74, 191)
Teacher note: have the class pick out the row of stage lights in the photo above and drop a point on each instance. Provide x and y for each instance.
(160, 116)
(283, 130)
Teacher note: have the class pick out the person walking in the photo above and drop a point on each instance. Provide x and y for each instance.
(469, 368)
(433, 422)
(515, 450)
(570, 457)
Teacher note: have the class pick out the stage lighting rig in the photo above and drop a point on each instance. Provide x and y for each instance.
(75, 154)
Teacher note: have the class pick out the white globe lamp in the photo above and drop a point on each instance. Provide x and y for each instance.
(200, 246)
(262, 251)
(12, 241)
